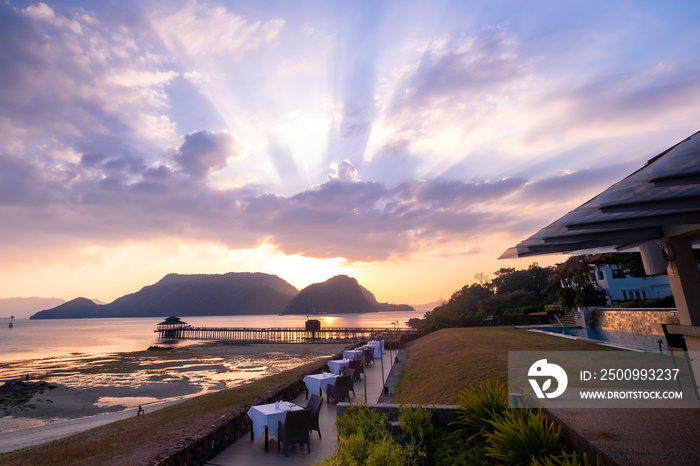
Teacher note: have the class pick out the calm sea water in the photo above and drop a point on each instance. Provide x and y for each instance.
(33, 339)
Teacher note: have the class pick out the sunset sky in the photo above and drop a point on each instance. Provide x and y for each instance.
(404, 143)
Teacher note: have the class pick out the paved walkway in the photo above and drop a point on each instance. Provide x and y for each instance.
(626, 436)
(245, 452)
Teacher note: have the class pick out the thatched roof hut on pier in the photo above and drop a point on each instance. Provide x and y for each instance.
(170, 327)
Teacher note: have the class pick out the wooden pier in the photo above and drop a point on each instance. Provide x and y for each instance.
(174, 329)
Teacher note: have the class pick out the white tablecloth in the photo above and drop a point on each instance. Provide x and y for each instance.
(337, 365)
(377, 348)
(352, 354)
(268, 415)
(316, 382)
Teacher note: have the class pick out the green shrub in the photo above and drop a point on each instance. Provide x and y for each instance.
(564, 459)
(364, 438)
(352, 450)
(417, 428)
(370, 423)
(453, 449)
(360, 430)
(416, 423)
(387, 453)
(478, 406)
(523, 436)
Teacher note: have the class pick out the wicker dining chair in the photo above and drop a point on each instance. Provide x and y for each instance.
(314, 405)
(339, 390)
(369, 356)
(357, 365)
(294, 429)
(351, 372)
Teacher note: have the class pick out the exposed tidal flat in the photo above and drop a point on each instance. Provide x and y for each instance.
(80, 387)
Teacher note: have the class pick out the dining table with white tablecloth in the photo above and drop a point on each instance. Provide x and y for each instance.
(377, 347)
(353, 355)
(317, 382)
(265, 418)
(337, 365)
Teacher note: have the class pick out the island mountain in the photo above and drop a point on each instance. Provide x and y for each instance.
(228, 294)
(338, 295)
(188, 295)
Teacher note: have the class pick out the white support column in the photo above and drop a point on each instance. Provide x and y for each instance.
(685, 280)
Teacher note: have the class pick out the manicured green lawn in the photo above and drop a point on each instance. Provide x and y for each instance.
(442, 363)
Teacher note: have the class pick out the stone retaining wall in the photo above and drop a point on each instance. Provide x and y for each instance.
(633, 321)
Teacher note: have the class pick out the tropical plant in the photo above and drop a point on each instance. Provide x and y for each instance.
(523, 436)
(564, 459)
(479, 405)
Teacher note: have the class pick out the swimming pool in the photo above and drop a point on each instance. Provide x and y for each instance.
(632, 341)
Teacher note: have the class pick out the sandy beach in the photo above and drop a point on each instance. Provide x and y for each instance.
(67, 395)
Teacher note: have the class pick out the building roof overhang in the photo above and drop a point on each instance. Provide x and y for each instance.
(659, 200)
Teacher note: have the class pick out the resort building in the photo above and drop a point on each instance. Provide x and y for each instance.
(619, 285)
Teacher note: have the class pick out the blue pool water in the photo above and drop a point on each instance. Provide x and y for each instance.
(634, 341)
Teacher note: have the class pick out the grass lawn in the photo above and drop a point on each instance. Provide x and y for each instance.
(442, 363)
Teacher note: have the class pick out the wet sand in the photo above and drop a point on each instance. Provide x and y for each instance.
(81, 387)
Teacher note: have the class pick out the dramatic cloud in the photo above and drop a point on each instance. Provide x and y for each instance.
(203, 153)
(201, 28)
(369, 133)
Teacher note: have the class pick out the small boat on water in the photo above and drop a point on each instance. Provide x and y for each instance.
(11, 324)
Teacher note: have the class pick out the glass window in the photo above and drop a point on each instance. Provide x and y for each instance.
(617, 273)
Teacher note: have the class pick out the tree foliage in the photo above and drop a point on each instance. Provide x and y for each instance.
(572, 285)
(533, 279)
(510, 292)
(630, 262)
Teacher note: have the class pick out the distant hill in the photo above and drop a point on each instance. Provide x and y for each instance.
(426, 307)
(188, 295)
(22, 308)
(338, 295)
